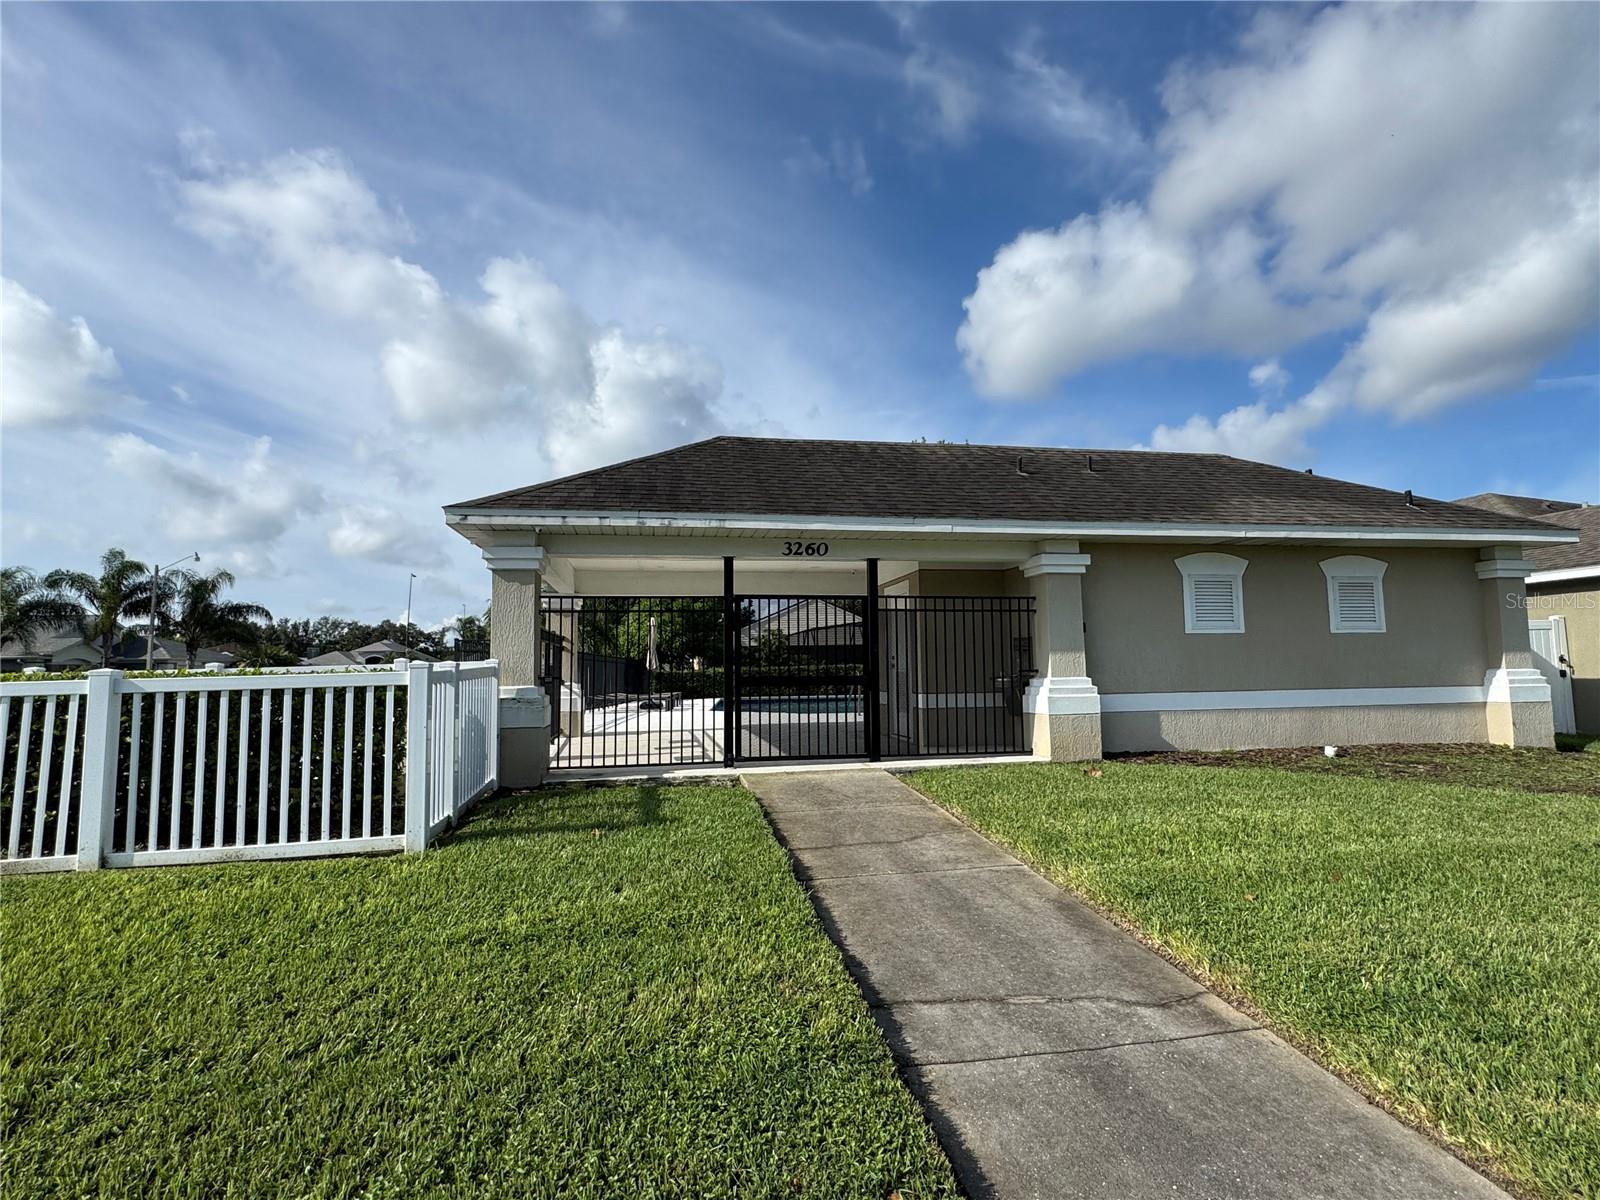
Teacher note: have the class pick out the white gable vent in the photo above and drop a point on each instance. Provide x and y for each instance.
(1213, 593)
(1355, 593)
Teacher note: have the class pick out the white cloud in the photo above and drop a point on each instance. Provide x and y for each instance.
(947, 86)
(1058, 103)
(242, 505)
(846, 161)
(1269, 378)
(1255, 431)
(1104, 286)
(54, 371)
(1310, 184)
(525, 351)
(381, 535)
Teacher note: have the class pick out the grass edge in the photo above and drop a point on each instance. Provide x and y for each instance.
(1482, 1164)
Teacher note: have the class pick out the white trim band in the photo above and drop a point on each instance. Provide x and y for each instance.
(499, 518)
(960, 700)
(1290, 698)
(1070, 696)
(1563, 574)
(514, 558)
(1055, 564)
(1504, 568)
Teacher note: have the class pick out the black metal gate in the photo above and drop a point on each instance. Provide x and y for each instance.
(954, 669)
(678, 681)
(801, 677)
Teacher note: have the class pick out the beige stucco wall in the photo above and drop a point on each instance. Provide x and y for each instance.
(1133, 606)
(1257, 728)
(514, 632)
(1582, 612)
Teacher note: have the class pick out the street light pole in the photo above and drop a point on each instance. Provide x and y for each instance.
(410, 583)
(155, 599)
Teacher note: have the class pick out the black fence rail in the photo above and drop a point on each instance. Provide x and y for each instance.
(674, 680)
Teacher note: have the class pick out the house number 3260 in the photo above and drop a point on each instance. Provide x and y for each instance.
(808, 549)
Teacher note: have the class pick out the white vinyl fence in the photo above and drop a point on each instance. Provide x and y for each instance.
(121, 771)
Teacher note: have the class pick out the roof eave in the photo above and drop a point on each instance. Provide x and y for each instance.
(464, 517)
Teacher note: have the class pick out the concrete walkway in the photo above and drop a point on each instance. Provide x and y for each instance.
(1055, 1055)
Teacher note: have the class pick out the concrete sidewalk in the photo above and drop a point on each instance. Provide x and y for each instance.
(1055, 1055)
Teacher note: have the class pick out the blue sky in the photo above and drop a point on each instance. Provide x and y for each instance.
(280, 281)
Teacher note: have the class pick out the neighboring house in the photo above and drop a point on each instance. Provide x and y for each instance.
(814, 624)
(385, 650)
(1167, 600)
(60, 650)
(68, 651)
(168, 654)
(1563, 604)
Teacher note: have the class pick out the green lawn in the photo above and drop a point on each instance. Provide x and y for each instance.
(1439, 943)
(597, 992)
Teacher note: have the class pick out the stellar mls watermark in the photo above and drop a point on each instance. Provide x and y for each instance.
(1568, 601)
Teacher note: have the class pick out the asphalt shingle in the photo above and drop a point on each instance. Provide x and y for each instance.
(933, 481)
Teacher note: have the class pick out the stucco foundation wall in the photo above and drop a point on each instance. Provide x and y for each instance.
(1066, 737)
(1133, 610)
(1582, 612)
(1262, 728)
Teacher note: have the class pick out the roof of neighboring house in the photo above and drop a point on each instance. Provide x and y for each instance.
(386, 648)
(129, 650)
(1583, 553)
(801, 617)
(926, 480)
(48, 646)
(1517, 506)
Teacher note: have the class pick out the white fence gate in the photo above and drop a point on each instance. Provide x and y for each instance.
(1548, 639)
(120, 771)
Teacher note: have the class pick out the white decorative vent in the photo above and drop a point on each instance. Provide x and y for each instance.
(1213, 593)
(1355, 593)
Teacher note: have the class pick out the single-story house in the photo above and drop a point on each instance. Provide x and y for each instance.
(68, 650)
(384, 650)
(55, 650)
(1053, 602)
(1563, 605)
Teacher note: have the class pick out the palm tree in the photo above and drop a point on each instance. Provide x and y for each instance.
(122, 589)
(28, 608)
(200, 615)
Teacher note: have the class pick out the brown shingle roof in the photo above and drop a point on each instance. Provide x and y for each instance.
(1583, 553)
(1516, 506)
(777, 476)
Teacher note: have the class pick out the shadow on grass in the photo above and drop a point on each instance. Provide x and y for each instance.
(568, 810)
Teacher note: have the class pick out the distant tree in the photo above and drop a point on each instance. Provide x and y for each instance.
(200, 615)
(310, 637)
(28, 608)
(474, 631)
(260, 647)
(122, 589)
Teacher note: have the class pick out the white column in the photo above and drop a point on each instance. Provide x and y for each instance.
(1519, 710)
(1062, 700)
(517, 573)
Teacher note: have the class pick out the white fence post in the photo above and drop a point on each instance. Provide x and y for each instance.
(418, 689)
(455, 743)
(97, 798)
